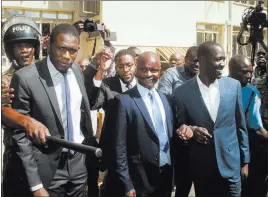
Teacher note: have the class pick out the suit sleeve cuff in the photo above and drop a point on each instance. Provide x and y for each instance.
(246, 160)
(97, 83)
(37, 187)
(128, 187)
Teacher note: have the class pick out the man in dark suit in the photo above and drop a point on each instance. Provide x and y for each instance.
(52, 91)
(101, 95)
(211, 103)
(106, 89)
(143, 130)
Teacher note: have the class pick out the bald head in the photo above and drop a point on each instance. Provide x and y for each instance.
(176, 59)
(238, 62)
(148, 69)
(148, 57)
(240, 69)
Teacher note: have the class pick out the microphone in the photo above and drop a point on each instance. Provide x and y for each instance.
(75, 146)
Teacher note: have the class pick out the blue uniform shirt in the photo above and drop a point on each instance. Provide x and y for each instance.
(253, 117)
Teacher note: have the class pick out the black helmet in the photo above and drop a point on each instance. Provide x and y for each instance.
(20, 29)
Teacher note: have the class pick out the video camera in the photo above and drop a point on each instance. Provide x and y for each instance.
(256, 20)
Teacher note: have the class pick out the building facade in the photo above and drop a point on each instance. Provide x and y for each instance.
(164, 25)
(161, 26)
(47, 14)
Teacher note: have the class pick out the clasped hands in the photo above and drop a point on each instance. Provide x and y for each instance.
(200, 134)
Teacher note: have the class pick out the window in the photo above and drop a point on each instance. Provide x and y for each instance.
(32, 14)
(65, 16)
(49, 15)
(207, 32)
(14, 12)
(250, 3)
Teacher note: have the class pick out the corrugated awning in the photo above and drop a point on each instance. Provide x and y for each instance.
(166, 52)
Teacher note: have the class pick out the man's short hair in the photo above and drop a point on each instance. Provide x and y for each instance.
(205, 48)
(133, 48)
(63, 28)
(190, 50)
(124, 52)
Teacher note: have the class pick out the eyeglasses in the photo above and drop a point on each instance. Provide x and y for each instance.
(122, 66)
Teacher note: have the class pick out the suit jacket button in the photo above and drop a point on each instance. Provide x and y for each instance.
(156, 159)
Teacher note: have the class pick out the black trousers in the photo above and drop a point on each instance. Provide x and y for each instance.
(183, 179)
(160, 181)
(112, 185)
(70, 178)
(256, 184)
(215, 185)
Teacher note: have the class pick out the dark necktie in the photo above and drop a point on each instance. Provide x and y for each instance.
(70, 133)
(129, 86)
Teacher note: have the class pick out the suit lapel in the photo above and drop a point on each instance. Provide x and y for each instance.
(143, 109)
(222, 89)
(117, 85)
(199, 101)
(48, 85)
(168, 113)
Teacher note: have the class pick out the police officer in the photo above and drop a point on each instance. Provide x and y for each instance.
(21, 38)
(240, 68)
(22, 46)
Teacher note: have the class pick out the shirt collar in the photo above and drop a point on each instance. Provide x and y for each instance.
(200, 83)
(144, 91)
(133, 82)
(52, 70)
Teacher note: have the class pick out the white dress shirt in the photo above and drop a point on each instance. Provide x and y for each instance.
(211, 97)
(76, 100)
(97, 83)
(144, 92)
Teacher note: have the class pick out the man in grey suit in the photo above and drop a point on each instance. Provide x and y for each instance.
(219, 149)
(52, 91)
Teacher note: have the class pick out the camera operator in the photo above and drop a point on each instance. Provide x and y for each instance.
(260, 69)
(88, 29)
(262, 83)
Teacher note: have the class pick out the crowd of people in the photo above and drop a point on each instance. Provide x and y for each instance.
(162, 131)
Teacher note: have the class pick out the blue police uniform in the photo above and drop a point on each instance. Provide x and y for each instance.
(252, 109)
(256, 184)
